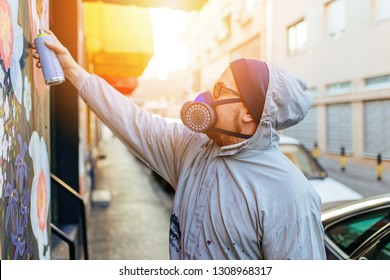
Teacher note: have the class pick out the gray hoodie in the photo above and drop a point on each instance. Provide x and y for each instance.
(244, 201)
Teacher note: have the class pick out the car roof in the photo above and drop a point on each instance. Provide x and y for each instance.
(288, 140)
(355, 206)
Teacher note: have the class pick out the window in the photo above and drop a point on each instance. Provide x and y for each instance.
(351, 233)
(297, 36)
(224, 28)
(377, 82)
(303, 160)
(339, 88)
(335, 12)
(379, 251)
(245, 12)
(382, 9)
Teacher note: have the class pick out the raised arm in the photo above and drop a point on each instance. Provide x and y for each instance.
(70, 67)
(158, 143)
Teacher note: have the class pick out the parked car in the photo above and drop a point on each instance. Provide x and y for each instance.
(328, 188)
(358, 230)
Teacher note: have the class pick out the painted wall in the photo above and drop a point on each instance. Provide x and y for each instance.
(24, 134)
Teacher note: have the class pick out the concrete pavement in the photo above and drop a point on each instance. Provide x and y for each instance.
(135, 224)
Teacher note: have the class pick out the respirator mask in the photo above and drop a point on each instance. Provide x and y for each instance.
(252, 79)
(199, 115)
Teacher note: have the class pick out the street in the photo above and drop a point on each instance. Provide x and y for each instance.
(362, 179)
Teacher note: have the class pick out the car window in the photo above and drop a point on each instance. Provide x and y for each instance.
(383, 252)
(303, 160)
(380, 250)
(350, 233)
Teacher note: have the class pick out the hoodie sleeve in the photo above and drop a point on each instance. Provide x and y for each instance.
(152, 139)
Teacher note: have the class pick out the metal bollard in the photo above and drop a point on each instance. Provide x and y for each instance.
(379, 167)
(315, 151)
(342, 159)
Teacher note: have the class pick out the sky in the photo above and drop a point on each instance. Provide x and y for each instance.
(171, 51)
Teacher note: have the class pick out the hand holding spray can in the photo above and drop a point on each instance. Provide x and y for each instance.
(51, 66)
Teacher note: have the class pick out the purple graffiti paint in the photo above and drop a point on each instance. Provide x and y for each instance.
(51, 66)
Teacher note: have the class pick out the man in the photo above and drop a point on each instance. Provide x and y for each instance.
(237, 196)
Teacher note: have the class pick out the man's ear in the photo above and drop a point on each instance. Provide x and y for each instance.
(247, 118)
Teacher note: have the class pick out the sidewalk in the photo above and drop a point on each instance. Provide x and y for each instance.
(135, 224)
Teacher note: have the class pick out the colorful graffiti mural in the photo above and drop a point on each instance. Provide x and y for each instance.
(24, 135)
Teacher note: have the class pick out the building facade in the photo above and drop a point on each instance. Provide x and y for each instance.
(340, 47)
(222, 31)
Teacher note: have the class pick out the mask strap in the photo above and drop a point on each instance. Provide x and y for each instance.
(230, 133)
(226, 101)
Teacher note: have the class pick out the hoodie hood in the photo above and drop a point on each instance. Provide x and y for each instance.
(287, 102)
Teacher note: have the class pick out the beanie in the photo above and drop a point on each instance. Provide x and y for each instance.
(252, 78)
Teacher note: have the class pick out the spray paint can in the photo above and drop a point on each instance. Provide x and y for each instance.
(51, 66)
